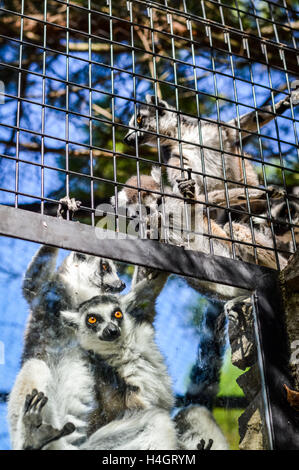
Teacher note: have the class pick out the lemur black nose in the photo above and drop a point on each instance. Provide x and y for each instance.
(122, 285)
(111, 332)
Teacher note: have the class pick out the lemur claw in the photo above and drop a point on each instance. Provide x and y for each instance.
(37, 434)
(186, 187)
(66, 203)
(202, 445)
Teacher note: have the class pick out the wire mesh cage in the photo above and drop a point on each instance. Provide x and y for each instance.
(191, 85)
(171, 121)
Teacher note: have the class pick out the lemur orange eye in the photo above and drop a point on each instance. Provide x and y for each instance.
(139, 120)
(105, 266)
(92, 320)
(118, 314)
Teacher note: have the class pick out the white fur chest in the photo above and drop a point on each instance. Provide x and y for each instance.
(141, 365)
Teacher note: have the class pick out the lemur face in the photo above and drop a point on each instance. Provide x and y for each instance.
(146, 121)
(280, 213)
(98, 272)
(99, 323)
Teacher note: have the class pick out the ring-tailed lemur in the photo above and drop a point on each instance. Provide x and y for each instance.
(214, 159)
(106, 333)
(48, 291)
(215, 143)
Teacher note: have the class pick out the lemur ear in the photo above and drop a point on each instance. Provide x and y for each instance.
(150, 99)
(70, 319)
(131, 300)
(122, 199)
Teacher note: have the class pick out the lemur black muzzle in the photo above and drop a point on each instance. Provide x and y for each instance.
(111, 333)
(121, 286)
(118, 287)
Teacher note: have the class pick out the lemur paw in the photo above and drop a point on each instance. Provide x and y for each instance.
(38, 434)
(202, 445)
(66, 204)
(186, 187)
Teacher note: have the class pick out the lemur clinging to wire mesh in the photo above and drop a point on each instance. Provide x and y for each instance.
(214, 163)
(218, 158)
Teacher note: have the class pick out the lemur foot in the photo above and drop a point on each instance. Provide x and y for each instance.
(202, 445)
(66, 204)
(37, 434)
(186, 187)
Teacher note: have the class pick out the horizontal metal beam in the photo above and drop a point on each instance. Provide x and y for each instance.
(19, 223)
